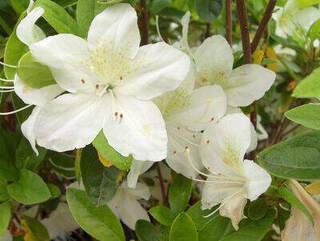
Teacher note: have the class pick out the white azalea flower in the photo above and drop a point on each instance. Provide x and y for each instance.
(112, 81)
(187, 112)
(243, 85)
(125, 204)
(60, 222)
(232, 180)
(29, 33)
(292, 20)
(137, 168)
(306, 231)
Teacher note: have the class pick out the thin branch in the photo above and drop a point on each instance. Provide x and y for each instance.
(162, 186)
(263, 24)
(243, 20)
(144, 23)
(229, 21)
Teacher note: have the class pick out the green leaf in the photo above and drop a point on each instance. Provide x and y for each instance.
(198, 215)
(54, 190)
(14, 50)
(162, 214)
(314, 31)
(5, 216)
(19, 5)
(101, 183)
(307, 115)
(307, 3)
(145, 231)
(158, 5)
(208, 9)
(179, 193)
(108, 153)
(99, 222)
(86, 11)
(58, 17)
(216, 229)
(251, 230)
(4, 196)
(35, 230)
(309, 87)
(257, 209)
(183, 229)
(33, 73)
(29, 188)
(296, 158)
(66, 3)
(26, 158)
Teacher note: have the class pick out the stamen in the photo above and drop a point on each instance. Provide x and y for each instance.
(15, 111)
(6, 91)
(158, 28)
(6, 80)
(217, 181)
(8, 65)
(7, 87)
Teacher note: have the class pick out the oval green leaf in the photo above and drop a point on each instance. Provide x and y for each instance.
(307, 115)
(183, 229)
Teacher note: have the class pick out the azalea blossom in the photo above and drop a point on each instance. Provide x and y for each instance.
(298, 226)
(293, 20)
(125, 204)
(29, 33)
(111, 81)
(231, 179)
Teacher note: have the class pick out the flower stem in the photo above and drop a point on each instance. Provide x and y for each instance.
(229, 21)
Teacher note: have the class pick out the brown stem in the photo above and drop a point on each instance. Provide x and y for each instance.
(263, 24)
(144, 23)
(243, 20)
(229, 21)
(162, 186)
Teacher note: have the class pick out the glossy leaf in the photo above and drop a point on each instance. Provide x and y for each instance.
(309, 87)
(108, 153)
(183, 229)
(208, 9)
(145, 231)
(307, 115)
(33, 73)
(179, 193)
(296, 158)
(99, 222)
(5, 216)
(35, 230)
(29, 188)
(162, 214)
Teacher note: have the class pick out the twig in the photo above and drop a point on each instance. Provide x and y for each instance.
(229, 21)
(144, 23)
(162, 186)
(263, 24)
(243, 20)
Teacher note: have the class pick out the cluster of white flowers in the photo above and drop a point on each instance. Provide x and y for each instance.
(153, 102)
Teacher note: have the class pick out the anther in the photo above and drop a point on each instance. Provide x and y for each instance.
(212, 119)
(97, 86)
(121, 116)
(82, 81)
(121, 78)
(208, 141)
(174, 152)
(116, 114)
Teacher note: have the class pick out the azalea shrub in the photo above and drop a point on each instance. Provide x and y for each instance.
(160, 120)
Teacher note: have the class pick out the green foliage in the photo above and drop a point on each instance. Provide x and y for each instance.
(99, 222)
(257, 209)
(108, 153)
(309, 87)
(162, 214)
(295, 158)
(179, 193)
(35, 231)
(208, 10)
(307, 115)
(147, 232)
(5, 211)
(183, 229)
(33, 73)
(29, 188)
(101, 183)
(58, 17)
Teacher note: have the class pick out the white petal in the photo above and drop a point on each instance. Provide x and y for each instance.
(306, 17)
(137, 168)
(225, 143)
(215, 193)
(206, 105)
(214, 59)
(254, 139)
(258, 180)
(127, 208)
(141, 191)
(68, 58)
(27, 31)
(183, 43)
(35, 96)
(248, 83)
(30, 6)
(136, 127)
(158, 68)
(116, 28)
(28, 128)
(180, 138)
(233, 208)
(71, 121)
